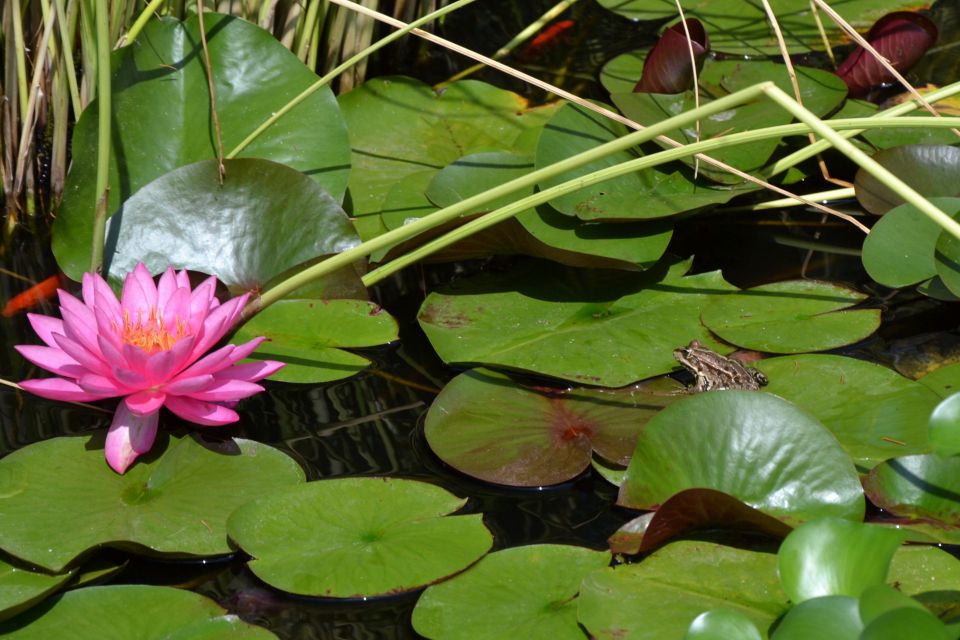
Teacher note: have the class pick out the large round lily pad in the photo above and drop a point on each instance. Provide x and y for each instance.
(358, 537)
(593, 327)
(900, 248)
(873, 411)
(20, 588)
(160, 117)
(265, 219)
(791, 317)
(758, 448)
(310, 336)
(60, 499)
(660, 596)
(487, 426)
(125, 612)
(835, 557)
(930, 169)
(523, 592)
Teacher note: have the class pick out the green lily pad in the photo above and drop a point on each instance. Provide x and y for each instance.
(634, 244)
(743, 29)
(122, 612)
(488, 427)
(947, 261)
(930, 575)
(931, 169)
(754, 446)
(923, 487)
(21, 588)
(834, 617)
(358, 537)
(820, 90)
(162, 78)
(418, 128)
(944, 381)
(881, 598)
(835, 557)
(597, 327)
(522, 592)
(906, 623)
(900, 248)
(310, 336)
(791, 317)
(177, 218)
(61, 499)
(945, 427)
(658, 192)
(662, 595)
(873, 411)
(722, 624)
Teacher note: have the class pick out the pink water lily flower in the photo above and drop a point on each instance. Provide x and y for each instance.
(147, 347)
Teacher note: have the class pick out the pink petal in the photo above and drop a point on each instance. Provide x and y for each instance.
(135, 358)
(181, 354)
(53, 360)
(102, 386)
(227, 391)
(45, 327)
(130, 378)
(202, 302)
(105, 298)
(145, 402)
(88, 290)
(130, 435)
(245, 349)
(139, 292)
(81, 313)
(204, 413)
(210, 363)
(176, 309)
(188, 386)
(80, 332)
(183, 279)
(58, 389)
(166, 286)
(87, 360)
(159, 370)
(251, 371)
(108, 328)
(218, 322)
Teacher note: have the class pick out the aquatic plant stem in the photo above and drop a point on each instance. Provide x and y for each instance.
(809, 151)
(134, 31)
(640, 164)
(103, 134)
(469, 204)
(66, 50)
(454, 211)
(870, 165)
(325, 80)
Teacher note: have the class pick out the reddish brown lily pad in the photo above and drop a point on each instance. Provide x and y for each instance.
(489, 427)
(691, 510)
(667, 67)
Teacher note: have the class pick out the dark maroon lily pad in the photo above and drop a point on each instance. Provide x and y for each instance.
(489, 427)
(902, 37)
(667, 67)
(690, 510)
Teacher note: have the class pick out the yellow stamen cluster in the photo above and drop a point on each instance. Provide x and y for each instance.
(151, 334)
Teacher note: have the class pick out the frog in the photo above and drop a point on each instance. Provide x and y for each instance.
(715, 372)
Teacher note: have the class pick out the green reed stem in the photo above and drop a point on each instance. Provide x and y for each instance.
(630, 166)
(820, 146)
(325, 80)
(869, 165)
(134, 32)
(103, 135)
